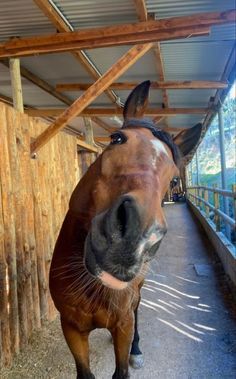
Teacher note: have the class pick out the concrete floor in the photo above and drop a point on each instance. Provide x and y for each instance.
(187, 326)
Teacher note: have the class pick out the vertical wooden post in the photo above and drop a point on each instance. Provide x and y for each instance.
(196, 194)
(223, 168)
(234, 201)
(217, 206)
(14, 65)
(89, 138)
(206, 198)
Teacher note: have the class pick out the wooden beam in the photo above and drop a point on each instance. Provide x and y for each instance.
(180, 84)
(86, 145)
(147, 31)
(103, 139)
(103, 112)
(53, 15)
(126, 61)
(16, 86)
(143, 16)
(62, 25)
(52, 44)
(6, 99)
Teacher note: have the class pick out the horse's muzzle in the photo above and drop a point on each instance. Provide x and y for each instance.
(116, 243)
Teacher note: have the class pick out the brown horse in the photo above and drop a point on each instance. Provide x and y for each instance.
(113, 228)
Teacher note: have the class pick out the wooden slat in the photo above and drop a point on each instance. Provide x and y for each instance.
(62, 26)
(6, 240)
(181, 84)
(160, 112)
(127, 60)
(26, 47)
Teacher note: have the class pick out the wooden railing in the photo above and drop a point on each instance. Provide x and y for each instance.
(199, 196)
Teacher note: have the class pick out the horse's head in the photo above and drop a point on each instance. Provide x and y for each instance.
(120, 196)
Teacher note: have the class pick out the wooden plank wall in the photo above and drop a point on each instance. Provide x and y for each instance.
(34, 196)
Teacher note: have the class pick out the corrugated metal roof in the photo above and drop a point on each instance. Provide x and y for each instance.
(176, 8)
(198, 58)
(195, 60)
(22, 18)
(54, 67)
(93, 13)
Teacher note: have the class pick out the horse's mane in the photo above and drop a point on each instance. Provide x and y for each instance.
(158, 133)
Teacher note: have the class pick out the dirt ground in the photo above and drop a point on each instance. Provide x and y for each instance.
(187, 319)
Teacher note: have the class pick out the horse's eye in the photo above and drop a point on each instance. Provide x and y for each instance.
(118, 138)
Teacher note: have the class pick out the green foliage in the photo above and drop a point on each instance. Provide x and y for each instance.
(209, 164)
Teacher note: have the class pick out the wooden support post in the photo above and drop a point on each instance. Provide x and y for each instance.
(16, 84)
(206, 198)
(197, 200)
(234, 200)
(89, 137)
(88, 131)
(127, 60)
(223, 168)
(217, 206)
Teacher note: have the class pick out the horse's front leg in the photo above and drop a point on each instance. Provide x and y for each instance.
(136, 356)
(78, 344)
(122, 338)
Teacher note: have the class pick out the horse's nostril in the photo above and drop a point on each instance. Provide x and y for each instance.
(123, 216)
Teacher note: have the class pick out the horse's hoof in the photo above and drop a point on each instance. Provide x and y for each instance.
(136, 361)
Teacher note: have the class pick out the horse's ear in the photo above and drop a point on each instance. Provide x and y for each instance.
(188, 139)
(137, 101)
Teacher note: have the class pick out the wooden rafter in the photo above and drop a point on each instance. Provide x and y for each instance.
(181, 84)
(147, 31)
(160, 69)
(103, 112)
(62, 25)
(72, 41)
(143, 16)
(126, 61)
(86, 145)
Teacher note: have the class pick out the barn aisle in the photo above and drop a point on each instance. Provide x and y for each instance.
(186, 319)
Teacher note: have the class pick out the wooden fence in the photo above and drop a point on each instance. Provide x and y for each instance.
(199, 195)
(34, 197)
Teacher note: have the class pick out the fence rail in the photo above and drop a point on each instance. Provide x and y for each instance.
(199, 196)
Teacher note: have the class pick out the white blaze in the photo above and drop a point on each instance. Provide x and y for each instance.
(159, 146)
(159, 149)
